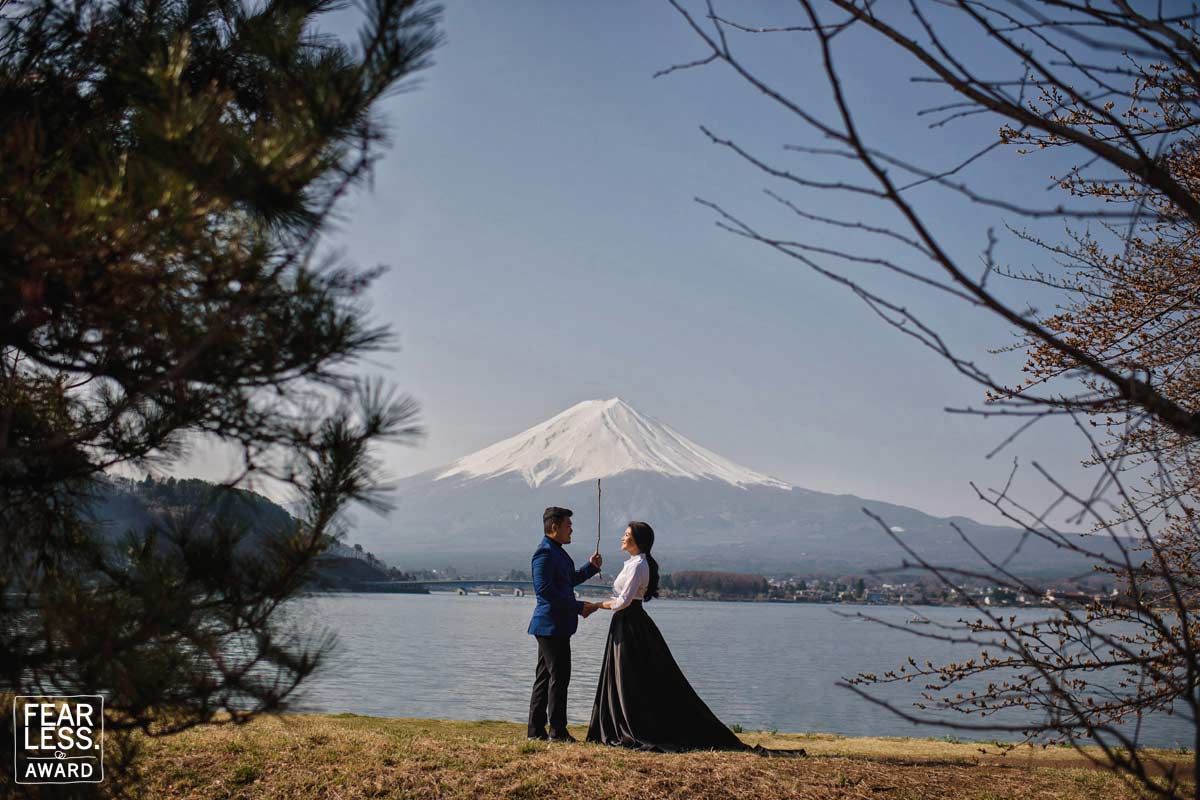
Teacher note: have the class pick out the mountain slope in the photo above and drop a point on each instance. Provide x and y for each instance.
(483, 511)
(123, 507)
(600, 439)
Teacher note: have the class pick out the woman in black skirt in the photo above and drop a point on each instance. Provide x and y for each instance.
(643, 700)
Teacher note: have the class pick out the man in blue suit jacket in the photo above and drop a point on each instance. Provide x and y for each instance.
(555, 618)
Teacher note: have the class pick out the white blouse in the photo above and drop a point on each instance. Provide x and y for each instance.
(631, 583)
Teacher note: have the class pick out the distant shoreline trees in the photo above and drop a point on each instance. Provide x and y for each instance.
(700, 583)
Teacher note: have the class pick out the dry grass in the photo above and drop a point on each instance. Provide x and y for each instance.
(345, 757)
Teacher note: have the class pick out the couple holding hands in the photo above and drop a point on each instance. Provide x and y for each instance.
(643, 699)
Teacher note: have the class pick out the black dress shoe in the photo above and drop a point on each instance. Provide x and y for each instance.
(536, 737)
(563, 737)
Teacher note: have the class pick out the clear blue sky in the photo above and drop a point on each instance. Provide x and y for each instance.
(537, 213)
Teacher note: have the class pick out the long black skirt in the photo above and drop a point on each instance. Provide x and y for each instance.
(644, 701)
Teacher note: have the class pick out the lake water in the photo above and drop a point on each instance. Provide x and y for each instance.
(763, 666)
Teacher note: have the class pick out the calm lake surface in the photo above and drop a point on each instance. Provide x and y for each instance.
(763, 666)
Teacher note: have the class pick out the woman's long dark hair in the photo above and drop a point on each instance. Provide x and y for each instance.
(643, 536)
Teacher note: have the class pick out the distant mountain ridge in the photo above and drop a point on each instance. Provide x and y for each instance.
(483, 511)
(122, 506)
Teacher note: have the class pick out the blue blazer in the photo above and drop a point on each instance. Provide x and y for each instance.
(554, 578)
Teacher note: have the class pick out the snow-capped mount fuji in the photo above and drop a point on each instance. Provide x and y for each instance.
(600, 439)
(483, 512)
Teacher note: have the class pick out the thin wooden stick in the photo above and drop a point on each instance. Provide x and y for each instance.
(597, 516)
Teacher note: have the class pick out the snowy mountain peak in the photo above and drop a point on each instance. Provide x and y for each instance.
(598, 439)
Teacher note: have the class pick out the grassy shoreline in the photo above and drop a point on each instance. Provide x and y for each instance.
(346, 756)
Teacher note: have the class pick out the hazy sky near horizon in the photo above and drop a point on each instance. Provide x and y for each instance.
(537, 212)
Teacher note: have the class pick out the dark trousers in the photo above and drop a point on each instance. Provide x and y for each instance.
(550, 686)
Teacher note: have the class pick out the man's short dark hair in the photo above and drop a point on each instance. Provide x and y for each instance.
(554, 516)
